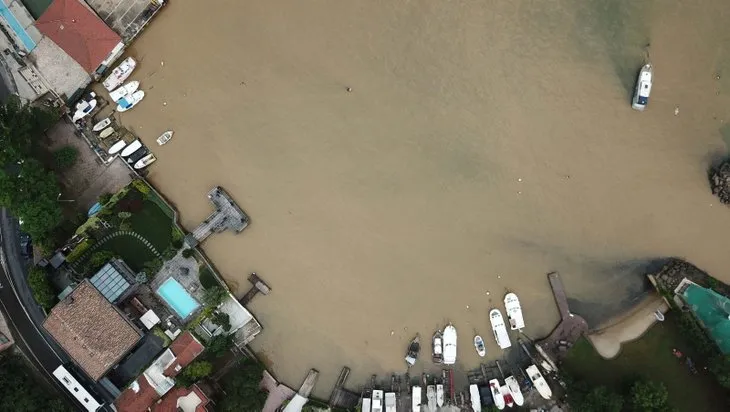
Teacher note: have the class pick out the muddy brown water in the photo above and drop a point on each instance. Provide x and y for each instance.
(482, 146)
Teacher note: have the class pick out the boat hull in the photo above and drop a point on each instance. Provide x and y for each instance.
(497, 396)
(514, 311)
(131, 148)
(514, 390)
(128, 102)
(440, 395)
(122, 91)
(101, 124)
(499, 329)
(479, 346)
(165, 137)
(643, 88)
(117, 147)
(449, 345)
(145, 161)
(106, 132)
(539, 382)
(476, 400)
(120, 74)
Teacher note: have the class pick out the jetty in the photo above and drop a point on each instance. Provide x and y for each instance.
(227, 216)
(341, 397)
(571, 327)
(302, 396)
(257, 286)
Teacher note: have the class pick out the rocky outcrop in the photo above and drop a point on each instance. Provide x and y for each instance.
(720, 182)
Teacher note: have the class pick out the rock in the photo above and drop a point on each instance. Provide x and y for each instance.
(720, 182)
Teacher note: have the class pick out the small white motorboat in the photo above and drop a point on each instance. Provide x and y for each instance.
(643, 88)
(539, 382)
(414, 348)
(431, 398)
(659, 315)
(131, 148)
(514, 311)
(439, 395)
(120, 74)
(476, 400)
(507, 396)
(438, 347)
(377, 402)
(122, 91)
(514, 390)
(416, 399)
(449, 345)
(479, 345)
(165, 137)
(116, 147)
(106, 133)
(494, 388)
(390, 402)
(366, 403)
(102, 124)
(500, 331)
(83, 108)
(129, 101)
(145, 161)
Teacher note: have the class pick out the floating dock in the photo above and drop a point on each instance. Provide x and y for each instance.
(227, 216)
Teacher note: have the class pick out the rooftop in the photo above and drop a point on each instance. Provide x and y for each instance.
(111, 282)
(91, 330)
(182, 399)
(76, 29)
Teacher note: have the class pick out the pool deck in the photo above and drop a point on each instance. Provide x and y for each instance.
(185, 272)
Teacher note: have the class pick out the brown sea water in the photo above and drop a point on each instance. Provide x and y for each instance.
(483, 145)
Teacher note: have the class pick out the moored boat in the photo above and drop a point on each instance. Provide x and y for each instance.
(439, 395)
(106, 132)
(496, 394)
(507, 396)
(390, 402)
(136, 156)
(122, 91)
(416, 399)
(377, 401)
(479, 346)
(102, 124)
(643, 88)
(165, 137)
(431, 398)
(514, 390)
(83, 109)
(449, 344)
(539, 382)
(366, 403)
(500, 331)
(413, 349)
(476, 400)
(514, 311)
(145, 161)
(117, 147)
(129, 101)
(438, 347)
(120, 74)
(131, 148)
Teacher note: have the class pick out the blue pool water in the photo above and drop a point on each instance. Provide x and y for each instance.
(9, 17)
(172, 292)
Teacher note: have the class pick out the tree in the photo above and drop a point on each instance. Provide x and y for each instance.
(97, 260)
(720, 367)
(193, 373)
(222, 319)
(219, 345)
(241, 390)
(104, 198)
(186, 253)
(43, 291)
(601, 399)
(20, 391)
(65, 157)
(214, 296)
(649, 396)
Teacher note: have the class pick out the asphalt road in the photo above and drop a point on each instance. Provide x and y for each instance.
(23, 313)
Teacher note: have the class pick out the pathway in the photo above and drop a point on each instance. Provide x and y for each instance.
(110, 236)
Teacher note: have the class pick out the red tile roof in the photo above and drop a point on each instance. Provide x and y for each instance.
(186, 348)
(169, 402)
(137, 401)
(79, 32)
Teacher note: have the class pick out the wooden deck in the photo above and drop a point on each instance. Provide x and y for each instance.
(227, 216)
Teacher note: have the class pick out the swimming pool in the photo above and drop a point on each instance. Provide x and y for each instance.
(16, 26)
(172, 292)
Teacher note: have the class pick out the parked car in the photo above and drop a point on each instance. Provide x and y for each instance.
(26, 245)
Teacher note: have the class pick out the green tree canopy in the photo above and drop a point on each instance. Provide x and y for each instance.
(649, 396)
(720, 367)
(241, 389)
(43, 291)
(193, 373)
(19, 391)
(214, 296)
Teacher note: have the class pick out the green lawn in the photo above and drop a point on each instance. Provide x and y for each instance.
(131, 250)
(153, 224)
(651, 357)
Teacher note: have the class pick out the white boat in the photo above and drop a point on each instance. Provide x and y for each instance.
(539, 382)
(479, 345)
(416, 399)
(390, 402)
(366, 402)
(377, 405)
(102, 124)
(131, 148)
(643, 88)
(438, 347)
(414, 348)
(83, 109)
(122, 91)
(659, 315)
(507, 396)
(440, 395)
(116, 147)
(514, 390)
(449, 345)
(500, 331)
(129, 101)
(496, 394)
(106, 132)
(145, 161)
(164, 137)
(120, 74)
(514, 312)
(476, 400)
(431, 398)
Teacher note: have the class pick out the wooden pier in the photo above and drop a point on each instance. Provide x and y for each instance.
(571, 327)
(257, 286)
(227, 216)
(341, 397)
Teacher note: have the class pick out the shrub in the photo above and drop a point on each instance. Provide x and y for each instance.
(65, 157)
(104, 198)
(207, 279)
(219, 345)
(98, 259)
(43, 291)
(242, 390)
(649, 396)
(141, 187)
(187, 253)
(153, 266)
(214, 296)
(79, 250)
(169, 253)
(193, 373)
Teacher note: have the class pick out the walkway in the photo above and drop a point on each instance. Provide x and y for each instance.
(570, 328)
(110, 236)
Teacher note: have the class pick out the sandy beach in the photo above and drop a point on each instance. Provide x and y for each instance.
(482, 146)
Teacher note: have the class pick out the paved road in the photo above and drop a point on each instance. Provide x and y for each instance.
(22, 312)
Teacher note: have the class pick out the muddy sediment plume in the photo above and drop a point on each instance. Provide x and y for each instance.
(720, 182)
